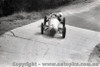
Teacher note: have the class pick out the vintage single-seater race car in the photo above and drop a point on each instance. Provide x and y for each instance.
(54, 23)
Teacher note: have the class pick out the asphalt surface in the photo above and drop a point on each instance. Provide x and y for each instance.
(26, 44)
(88, 20)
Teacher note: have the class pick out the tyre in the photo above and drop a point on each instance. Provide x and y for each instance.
(45, 20)
(42, 28)
(64, 32)
(63, 22)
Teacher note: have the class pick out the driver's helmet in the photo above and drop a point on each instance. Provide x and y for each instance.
(60, 14)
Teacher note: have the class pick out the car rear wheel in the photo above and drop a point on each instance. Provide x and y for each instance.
(42, 28)
(64, 32)
(63, 22)
(45, 20)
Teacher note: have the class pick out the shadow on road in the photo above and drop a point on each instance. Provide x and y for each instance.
(48, 36)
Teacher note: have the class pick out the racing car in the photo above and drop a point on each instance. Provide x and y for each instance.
(54, 23)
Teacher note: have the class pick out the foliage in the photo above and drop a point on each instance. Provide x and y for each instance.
(11, 6)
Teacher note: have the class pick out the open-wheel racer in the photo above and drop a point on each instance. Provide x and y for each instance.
(54, 23)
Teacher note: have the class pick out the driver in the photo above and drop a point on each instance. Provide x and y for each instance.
(59, 16)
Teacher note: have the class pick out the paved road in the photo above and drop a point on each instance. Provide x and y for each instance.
(88, 20)
(26, 44)
(87, 17)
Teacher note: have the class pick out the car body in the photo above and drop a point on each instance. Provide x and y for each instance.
(54, 23)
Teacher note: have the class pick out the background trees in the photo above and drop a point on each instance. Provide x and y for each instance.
(8, 7)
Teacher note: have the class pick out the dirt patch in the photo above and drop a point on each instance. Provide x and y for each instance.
(95, 54)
